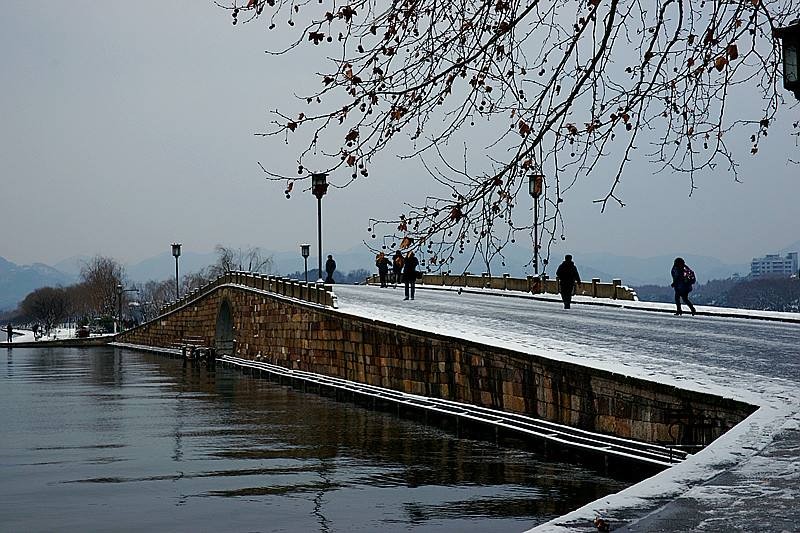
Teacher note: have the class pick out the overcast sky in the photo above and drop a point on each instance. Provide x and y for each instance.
(125, 126)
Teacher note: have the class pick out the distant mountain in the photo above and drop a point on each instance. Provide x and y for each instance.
(636, 271)
(351, 259)
(72, 265)
(632, 270)
(16, 281)
(162, 266)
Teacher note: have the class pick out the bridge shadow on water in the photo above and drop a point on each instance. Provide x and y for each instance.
(621, 468)
(385, 449)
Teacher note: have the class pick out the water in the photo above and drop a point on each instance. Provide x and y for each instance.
(107, 439)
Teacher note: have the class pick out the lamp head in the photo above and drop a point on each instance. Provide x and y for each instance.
(790, 43)
(319, 184)
(535, 183)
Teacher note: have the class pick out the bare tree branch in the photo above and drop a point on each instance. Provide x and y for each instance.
(571, 87)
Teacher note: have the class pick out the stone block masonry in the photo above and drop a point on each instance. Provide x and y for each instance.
(285, 331)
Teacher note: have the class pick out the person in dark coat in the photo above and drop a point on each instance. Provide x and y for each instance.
(397, 266)
(682, 280)
(410, 273)
(382, 262)
(567, 276)
(330, 268)
(10, 331)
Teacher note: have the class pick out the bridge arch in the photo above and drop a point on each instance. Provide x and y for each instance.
(223, 338)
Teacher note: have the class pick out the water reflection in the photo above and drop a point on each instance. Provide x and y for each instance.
(184, 448)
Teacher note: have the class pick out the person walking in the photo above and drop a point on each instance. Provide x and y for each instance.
(682, 280)
(567, 276)
(10, 331)
(330, 268)
(410, 265)
(382, 262)
(397, 266)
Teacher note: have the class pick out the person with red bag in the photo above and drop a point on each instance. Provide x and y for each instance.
(682, 280)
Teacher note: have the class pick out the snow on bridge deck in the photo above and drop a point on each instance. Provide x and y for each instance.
(750, 360)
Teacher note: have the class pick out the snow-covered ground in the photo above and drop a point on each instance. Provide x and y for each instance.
(732, 312)
(55, 333)
(26, 335)
(751, 360)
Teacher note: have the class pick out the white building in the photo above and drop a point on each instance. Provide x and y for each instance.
(774, 265)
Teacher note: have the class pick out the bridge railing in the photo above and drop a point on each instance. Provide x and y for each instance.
(535, 285)
(318, 293)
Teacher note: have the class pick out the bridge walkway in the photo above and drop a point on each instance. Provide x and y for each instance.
(754, 361)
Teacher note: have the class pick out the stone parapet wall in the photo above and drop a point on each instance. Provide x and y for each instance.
(290, 333)
(595, 288)
(307, 291)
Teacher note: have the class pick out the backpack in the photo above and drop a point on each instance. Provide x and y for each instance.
(688, 275)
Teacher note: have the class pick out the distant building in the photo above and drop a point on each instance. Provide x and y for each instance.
(774, 265)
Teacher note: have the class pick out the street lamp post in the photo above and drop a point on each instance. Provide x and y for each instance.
(790, 37)
(119, 308)
(535, 184)
(120, 291)
(176, 253)
(305, 251)
(319, 186)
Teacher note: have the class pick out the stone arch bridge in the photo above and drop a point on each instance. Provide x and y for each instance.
(297, 325)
